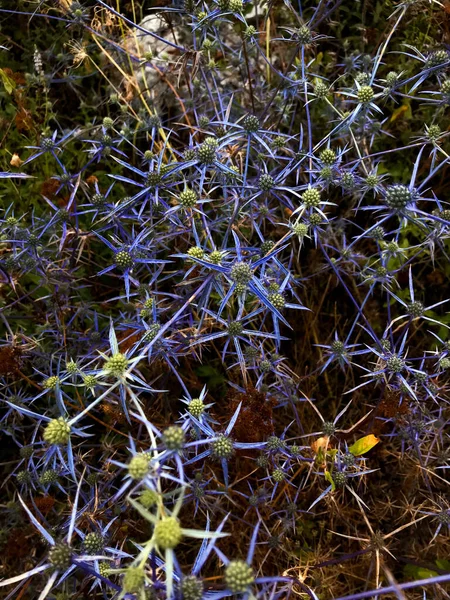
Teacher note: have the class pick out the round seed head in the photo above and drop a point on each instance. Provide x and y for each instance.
(395, 364)
(138, 466)
(238, 576)
(222, 447)
(372, 180)
(304, 35)
(192, 588)
(266, 247)
(60, 556)
(117, 364)
(196, 407)
(378, 233)
(275, 443)
(153, 179)
(338, 347)
(188, 198)
(167, 533)
(444, 517)
(348, 460)
(265, 366)
(315, 219)
(327, 157)
(26, 451)
(173, 438)
(320, 89)
(236, 5)
(47, 143)
(311, 197)
(266, 182)
(328, 428)
(415, 309)
(362, 78)
(98, 200)
(133, 580)
(339, 479)
(398, 197)
(391, 78)
(93, 543)
(148, 498)
(151, 332)
(365, 94)
(71, 367)
(235, 328)
(444, 363)
(57, 431)
(436, 58)
(348, 180)
(251, 123)
(300, 229)
(196, 252)
(250, 32)
(207, 151)
(48, 477)
(277, 300)
(90, 381)
(23, 477)
(123, 260)
(241, 272)
(278, 475)
(52, 382)
(262, 461)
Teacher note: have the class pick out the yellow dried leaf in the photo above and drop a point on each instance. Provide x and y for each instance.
(363, 445)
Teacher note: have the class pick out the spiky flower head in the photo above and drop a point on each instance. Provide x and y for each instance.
(173, 437)
(60, 556)
(138, 466)
(328, 428)
(98, 200)
(188, 198)
(266, 247)
(26, 451)
(339, 479)
(275, 443)
(48, 477)
(23, 477)
(236, 5)
(328, 156)
(71, 367)
(266, 182)
(438, 57)
(133, 580)
(304, 35)
(321, 89)
(167, 533)
(277, 300)
(153, 179)
(192, 588)
(250, 32)
(278, 475)
(196, 407)
(222, 447)
(123, 260)
(148, 498)
(391, 78)
(241, 272)
(235, 328)
(116, 365)
(365, 94)
(311, 197)
(238, 576)
(57, 431)
(52, 382)
(395, 364)
(415, 309)
(196, 252)
(251, 123)
(93, 543)
(348, 180)
(398, 197)
(207, 151)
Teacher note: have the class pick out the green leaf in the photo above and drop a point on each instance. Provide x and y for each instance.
(443, 564)
(363, 445)
(330, 480)
(415, 572)
(9, 83)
